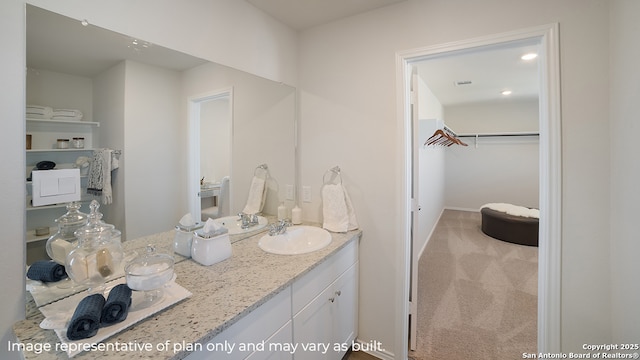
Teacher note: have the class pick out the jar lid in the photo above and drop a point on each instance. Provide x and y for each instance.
(73, 216)
(149, 263)
(95, 227)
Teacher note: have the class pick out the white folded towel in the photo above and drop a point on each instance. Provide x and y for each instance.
(257, 194)
(67, 114)
(39, 112)
(337, 210)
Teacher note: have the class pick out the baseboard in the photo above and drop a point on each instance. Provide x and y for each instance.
(430, 234)
(380, 354)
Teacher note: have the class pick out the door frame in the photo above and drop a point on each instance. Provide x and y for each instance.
(194, 104)
(550, 231)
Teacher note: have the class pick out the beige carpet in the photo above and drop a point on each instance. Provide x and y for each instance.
(477, 297)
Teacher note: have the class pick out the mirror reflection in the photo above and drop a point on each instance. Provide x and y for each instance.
(138, 99)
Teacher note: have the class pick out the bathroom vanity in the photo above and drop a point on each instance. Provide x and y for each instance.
(245, 307)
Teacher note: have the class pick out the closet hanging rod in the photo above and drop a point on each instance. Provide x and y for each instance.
(499, 134)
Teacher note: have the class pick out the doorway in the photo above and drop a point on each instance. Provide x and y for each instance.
(210, 139)
(549, 176)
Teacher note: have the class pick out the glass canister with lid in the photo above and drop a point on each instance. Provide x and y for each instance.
(98, 255)
(60, 244)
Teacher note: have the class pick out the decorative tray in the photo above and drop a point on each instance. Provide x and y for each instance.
(60, 312)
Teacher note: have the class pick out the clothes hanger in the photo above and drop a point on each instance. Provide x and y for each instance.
(442, 138)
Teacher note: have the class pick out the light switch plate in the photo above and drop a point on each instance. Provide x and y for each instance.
(306, 193)
(290, 195)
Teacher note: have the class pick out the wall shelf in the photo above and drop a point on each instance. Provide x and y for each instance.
(70, 122)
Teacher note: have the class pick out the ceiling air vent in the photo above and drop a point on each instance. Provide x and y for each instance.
(463, 82)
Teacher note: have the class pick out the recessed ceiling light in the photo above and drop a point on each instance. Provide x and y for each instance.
(506, 92)
(529, 56)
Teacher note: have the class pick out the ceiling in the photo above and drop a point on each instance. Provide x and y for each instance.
(489, 69)
(303, 14)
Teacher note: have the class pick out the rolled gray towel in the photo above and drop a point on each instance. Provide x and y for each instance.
(85, 321)
(46, 271)
(117, 306)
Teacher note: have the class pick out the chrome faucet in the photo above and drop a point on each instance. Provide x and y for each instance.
(279, 228)
(248, 220)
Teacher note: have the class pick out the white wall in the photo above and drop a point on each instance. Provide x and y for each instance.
(497, 170)
(108, 106)
(625, 170)
(493, 116)
(493, 169)
(346, 120)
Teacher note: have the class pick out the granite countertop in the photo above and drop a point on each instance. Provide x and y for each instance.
(222, 294)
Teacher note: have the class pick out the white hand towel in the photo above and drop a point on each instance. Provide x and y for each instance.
(334, 208)
(353, 221)
(257, 193)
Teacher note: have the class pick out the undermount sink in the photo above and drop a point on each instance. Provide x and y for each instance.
(234, 225)
(298, 239)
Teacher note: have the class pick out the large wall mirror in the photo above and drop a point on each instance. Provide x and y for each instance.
(140, 95)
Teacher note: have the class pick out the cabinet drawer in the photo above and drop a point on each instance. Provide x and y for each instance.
(254, 328)
(311, 284)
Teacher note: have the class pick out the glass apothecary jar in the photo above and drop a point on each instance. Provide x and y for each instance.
(60, 244)
(98, 255)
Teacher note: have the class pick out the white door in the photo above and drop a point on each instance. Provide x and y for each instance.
(210, 141)
(415, 208)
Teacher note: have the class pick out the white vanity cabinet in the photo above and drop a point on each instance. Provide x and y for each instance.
(249, 338)
(321, 307)
(325, 307)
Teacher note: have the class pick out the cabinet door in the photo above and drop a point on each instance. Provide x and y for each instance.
(276, 347)
(345, 325)
(325, 328)
(313, 328)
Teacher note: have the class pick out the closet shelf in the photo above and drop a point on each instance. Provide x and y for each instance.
(57, 150)
(70, 122)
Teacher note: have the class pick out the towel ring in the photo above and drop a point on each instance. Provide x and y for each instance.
(334, 173)
(265, 170)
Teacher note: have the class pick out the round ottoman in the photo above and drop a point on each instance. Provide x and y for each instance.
(509, 226)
